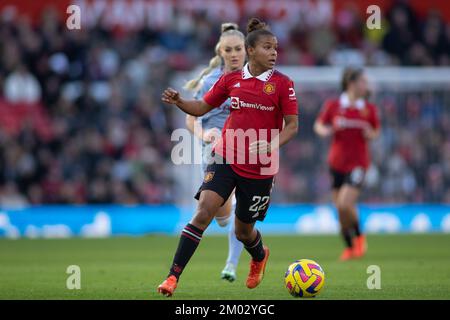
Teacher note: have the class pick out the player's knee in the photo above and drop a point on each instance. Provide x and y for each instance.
(203, 217)
(344, 207)
(242, 236)
(239, 236)
(223, 221)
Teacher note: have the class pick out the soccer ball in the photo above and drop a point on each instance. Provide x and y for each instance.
(304, 278)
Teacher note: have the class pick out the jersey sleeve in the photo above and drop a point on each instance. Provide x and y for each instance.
(288, 100)
(218, 93)
(325, 115)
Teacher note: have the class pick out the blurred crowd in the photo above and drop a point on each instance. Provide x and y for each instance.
(81, 119)
(403, 39)
(109, 136)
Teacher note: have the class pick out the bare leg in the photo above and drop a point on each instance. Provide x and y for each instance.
(346, 204)
(251, 238)
(208, 206)
(245, 232)
(345, 200)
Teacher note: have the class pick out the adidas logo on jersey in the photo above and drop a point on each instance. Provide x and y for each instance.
(237, 85)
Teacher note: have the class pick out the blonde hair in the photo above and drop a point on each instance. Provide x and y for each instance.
(227, 29)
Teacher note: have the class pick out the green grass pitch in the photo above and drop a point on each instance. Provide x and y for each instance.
(412, 267)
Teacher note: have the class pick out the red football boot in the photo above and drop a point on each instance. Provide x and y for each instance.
(168, 287)
(257, 269)
(359, 246)
(347, 254)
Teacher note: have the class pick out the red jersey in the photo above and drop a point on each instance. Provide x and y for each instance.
(258, 105)
(349, 148)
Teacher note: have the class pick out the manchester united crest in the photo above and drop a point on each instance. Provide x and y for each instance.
(208, 176)
(269, 88)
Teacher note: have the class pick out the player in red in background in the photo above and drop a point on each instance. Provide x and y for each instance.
(261, 100)
(352, 121)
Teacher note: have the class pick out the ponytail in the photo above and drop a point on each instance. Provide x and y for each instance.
(193, 84)
(255, 29)
(227, 29)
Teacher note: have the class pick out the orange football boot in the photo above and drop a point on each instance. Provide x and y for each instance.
(359, 246)
(257, 269)
(347, 254)
(168, 286)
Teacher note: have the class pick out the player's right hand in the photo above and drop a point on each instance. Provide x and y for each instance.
(212, 135)
(327, 131)
(170, 96)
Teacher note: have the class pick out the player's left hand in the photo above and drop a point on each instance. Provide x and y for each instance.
(212, 135)
(260, 147)
(369, 132)
(170, 96)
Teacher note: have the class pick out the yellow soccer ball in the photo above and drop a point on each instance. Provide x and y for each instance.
(304, 278)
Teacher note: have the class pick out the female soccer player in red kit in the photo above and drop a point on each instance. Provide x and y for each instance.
(352, 121)
(261, 100)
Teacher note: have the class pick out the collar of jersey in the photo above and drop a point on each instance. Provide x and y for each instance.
(344, 101)
(265, 76)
